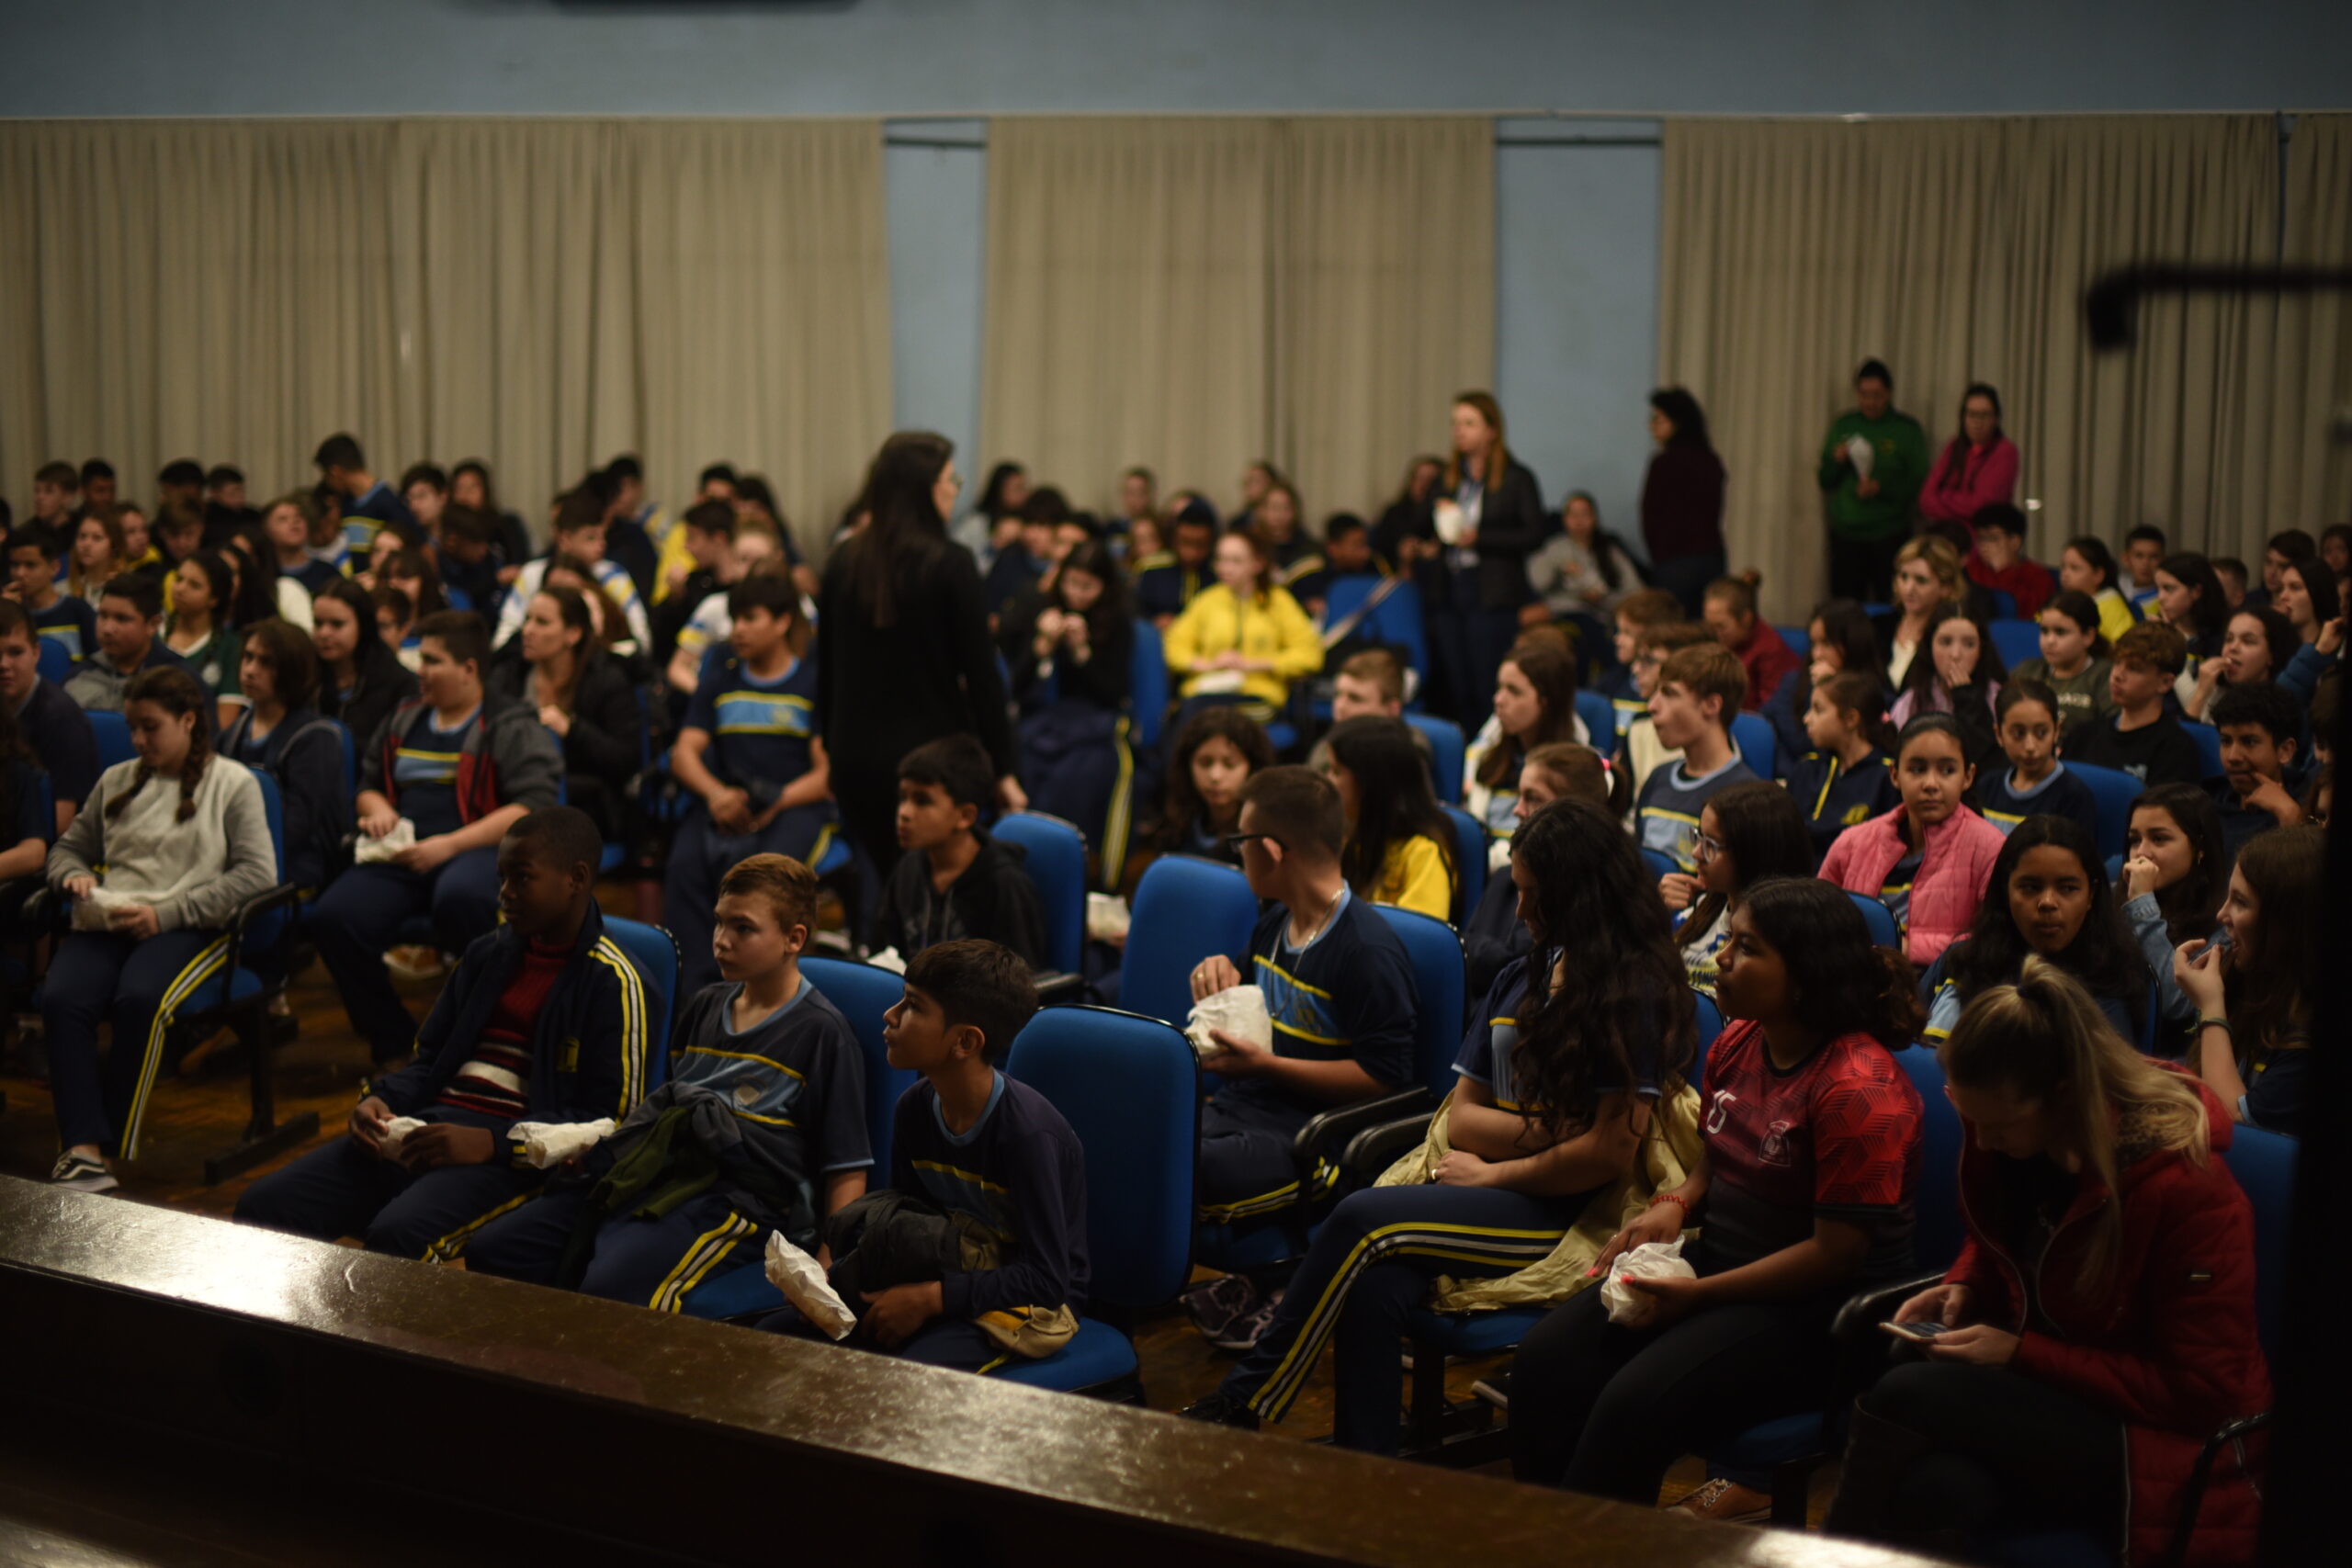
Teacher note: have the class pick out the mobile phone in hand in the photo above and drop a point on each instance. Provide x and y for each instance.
(1917, 1333)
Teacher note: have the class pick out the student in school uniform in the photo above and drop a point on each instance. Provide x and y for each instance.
(1803, 1187)
(2257, 646)
(558, 668)
(368, 504)
(1494, 935)
(1168, 581)
(1930, 859)
(990, 1153)
(51, 724)
(1535, 705)
(2048, 895)
(2074, 663)
(361, 678)
(130, 643)
(2261, 776)
(2141, 737)
(1217, 752)
(1071, 675)
(462, 772)
(1400, 845)
(2144, 552)
(278, 732)
(2176, 869)
(2253, 985)
(1640, 752)
(2087, 566)
(1759, 645)
(1842, 640)
(1847, 776)
(954, 879)
(1559, 1078)
(2035, 783)
(1642, 608)
(2099, 1322)
(200, 629)
(750, 755)
(1698, 690)
(1959, 672)
(579, 530)
(178, 839)
(1340, 989)
(65, 619)
(544, 1021)
(1747, 833)
(766, 1084)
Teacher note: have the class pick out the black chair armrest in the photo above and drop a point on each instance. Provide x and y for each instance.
(41, 906)
(1326, 1135)
(2192, 1501)
(1054, 986)
(1374, 1149)
(251, 910)
(1865, 1310)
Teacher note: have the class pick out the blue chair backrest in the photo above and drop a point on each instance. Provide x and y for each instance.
(2208, 746)
(2112, 791)
(1940, 1230)
(1128, 1087)
(2005, 603)
(1148, 686)
(1395, 619)
(1469, 857)
(1600, 716)
(1657, 863)
(48, 807)
(112, 732)
(350, 755)
(1752, 734)
(1799, 641)
(655, 953)
(1054, 854)
(1185, 908)
(1880, 920)
(1445, 753)
(1711, 1024)
(262, 935)
(863, 994)
(2264, 1164)
(2017, 641)
(1439, 984)
(54, 662)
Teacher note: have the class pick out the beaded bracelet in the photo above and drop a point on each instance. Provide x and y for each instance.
(1677, 1199)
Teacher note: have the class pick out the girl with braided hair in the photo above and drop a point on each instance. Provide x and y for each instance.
(185, 840)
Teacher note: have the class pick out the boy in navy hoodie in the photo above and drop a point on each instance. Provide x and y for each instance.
(2261, 782)
(544, 1021)
(955, 880)
(971, 1142)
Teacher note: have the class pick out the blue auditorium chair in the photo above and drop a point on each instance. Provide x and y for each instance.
(1055, 853)
(1751, 735)
(1880, 920)
(2016, 641)
(1185, 908)
(1446, 747)
(2112, 792)
(1469, 861)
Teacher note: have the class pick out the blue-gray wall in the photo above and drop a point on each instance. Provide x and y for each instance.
(1578, 239)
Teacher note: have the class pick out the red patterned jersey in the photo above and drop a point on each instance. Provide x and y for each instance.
(1835, 1137)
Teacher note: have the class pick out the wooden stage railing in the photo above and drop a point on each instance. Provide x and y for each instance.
(185, 1391)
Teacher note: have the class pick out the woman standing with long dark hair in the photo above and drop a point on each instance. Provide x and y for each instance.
(1486, 517)
(1682, 500)
(903, 651)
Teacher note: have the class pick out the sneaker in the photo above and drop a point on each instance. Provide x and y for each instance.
(1244, 1332)
(1214, 1304)
(1221, 1410)
(79, 1173)
(415, 962)
(1726, 1502)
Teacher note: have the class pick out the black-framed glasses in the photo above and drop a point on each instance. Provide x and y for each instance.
(1235, 840)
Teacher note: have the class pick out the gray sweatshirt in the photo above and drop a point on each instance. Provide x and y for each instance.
(195, 872)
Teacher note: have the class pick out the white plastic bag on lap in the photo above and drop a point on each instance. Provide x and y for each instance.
(395, 1132)
(550, 1144)
(1239, 1010)
(1630, 1308)
(804, 1284)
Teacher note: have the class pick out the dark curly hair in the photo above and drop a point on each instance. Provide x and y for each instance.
(2102, 957)
(1623, 992)
(1224, 722)
(1841, 984)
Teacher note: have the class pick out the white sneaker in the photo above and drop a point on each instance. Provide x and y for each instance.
(79, 1173)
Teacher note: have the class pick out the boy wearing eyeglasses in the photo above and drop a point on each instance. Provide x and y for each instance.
(1340, 991)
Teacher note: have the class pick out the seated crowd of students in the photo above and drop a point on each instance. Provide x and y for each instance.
(2102, 1028)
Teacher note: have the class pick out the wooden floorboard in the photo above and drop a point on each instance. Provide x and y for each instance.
(202, 1111)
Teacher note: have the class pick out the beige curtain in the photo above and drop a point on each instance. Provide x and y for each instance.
(1957, 251)
(2311, 468)
(539, 293)
(1192, 294)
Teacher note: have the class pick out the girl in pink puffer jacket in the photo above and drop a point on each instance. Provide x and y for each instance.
(1930, 859)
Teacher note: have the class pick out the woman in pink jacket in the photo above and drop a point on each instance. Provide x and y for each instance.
(1978, 467)
(1928, 860)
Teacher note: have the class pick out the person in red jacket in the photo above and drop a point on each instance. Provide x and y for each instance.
(1761, 651)
(2098, 1325)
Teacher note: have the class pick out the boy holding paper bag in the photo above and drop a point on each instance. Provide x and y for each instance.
(543, 1022)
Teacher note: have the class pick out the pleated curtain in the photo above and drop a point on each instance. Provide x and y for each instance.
(2311, 467)
(1195, 294)
(1958, 251)
(540, 293)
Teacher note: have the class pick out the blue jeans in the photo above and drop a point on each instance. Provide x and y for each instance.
(361, 914)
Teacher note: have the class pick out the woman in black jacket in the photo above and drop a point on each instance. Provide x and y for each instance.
(1071, 663)
(555, 667)
(903, 651)
(361, 680)
(1486, 517)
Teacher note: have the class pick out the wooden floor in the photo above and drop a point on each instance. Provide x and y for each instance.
(202, 1111)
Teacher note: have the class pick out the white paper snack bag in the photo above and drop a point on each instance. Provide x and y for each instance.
(1239, 1010)
(804, 1284)
(1628, 1307)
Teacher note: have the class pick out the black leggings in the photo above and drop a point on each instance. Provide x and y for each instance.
(1605, 1410)
(2003, 1449)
